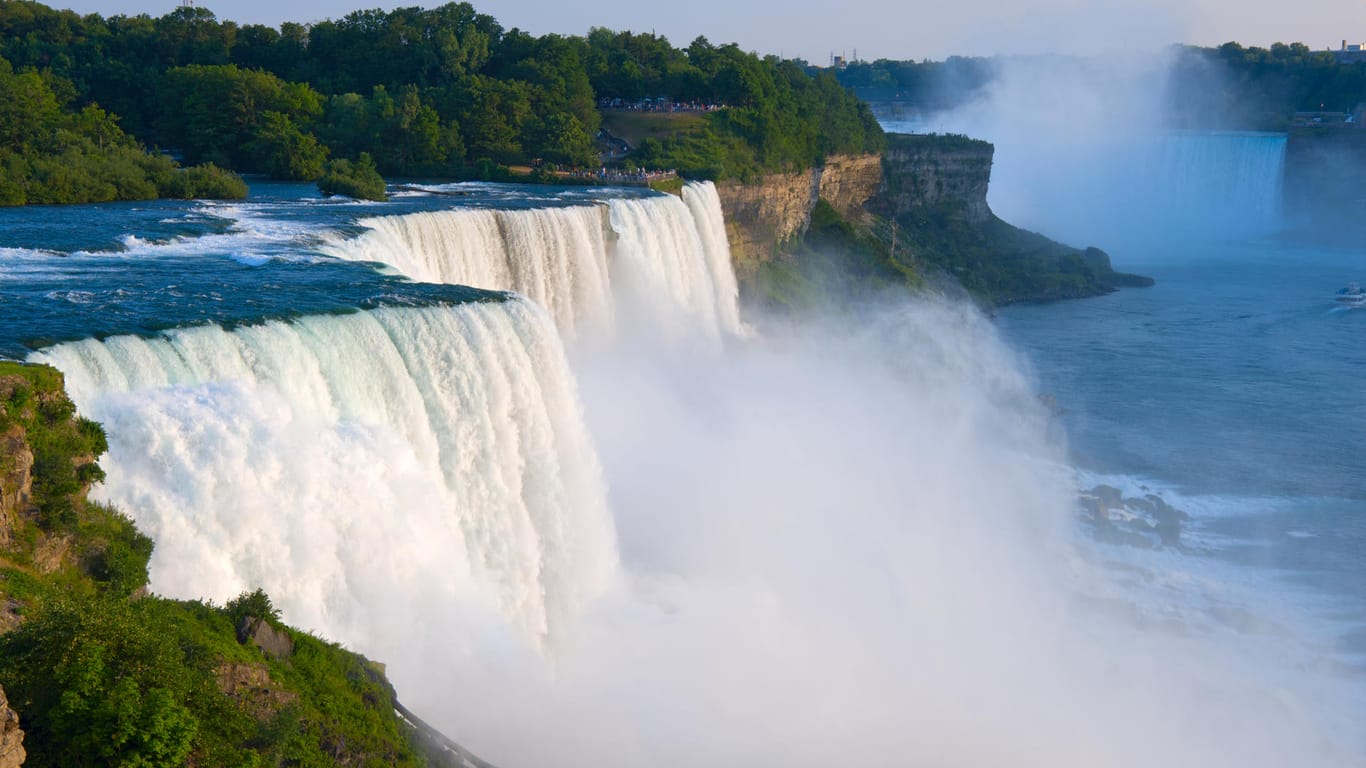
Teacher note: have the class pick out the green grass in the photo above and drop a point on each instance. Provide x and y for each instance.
(635, 127)
(672, 186)
(44, 378)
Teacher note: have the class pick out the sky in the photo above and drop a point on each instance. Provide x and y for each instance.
(893, 29)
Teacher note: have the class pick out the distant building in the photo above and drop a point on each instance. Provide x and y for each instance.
(1351, 53)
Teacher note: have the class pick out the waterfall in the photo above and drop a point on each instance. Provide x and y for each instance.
(338, 459)
(557, 257)
(662, 260)
(1221, 184)
(705, 205)
(1149, 190)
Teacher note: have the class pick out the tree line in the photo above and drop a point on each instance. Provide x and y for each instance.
(424, 92)
(53, 152)
(1253, 87)
(1230, 86)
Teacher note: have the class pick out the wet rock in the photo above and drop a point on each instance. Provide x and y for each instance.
(1132, 521)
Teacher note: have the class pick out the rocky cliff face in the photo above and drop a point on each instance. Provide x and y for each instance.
(16, 464)
(915, 172)
(848, 182)
(934, 171)
(11, 738)
(16, 479)
(764, 216)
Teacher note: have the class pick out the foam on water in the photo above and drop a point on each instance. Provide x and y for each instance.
(386, 449)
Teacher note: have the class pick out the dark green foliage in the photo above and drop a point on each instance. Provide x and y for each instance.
(115, 552)
(240, 118)
(99, 684)
(1236, 87)
(104, 681)
(422, 91)
(778, 116)
(255, 604)
(1002, 264)
(359, 179)
(206, 181)
(927, 84)
(51, 154)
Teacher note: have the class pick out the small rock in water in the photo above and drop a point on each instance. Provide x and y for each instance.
(1141, 518)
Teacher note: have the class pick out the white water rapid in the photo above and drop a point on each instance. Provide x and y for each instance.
(338, 459)
(660, 260)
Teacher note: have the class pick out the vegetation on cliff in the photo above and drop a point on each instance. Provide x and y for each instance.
(1003, 264)
(835, 261)
(445, 91)
(102, 674)
(52, 152)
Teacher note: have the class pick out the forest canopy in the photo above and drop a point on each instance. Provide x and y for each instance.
(424, 92)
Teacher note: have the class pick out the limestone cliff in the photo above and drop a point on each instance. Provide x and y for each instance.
(932, 171)
(916, 212)
(11, 738)
(765, 216)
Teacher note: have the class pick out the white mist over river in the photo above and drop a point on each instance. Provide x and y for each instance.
(675, 542)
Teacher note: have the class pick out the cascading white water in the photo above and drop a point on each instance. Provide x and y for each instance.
(335, 459)
(557, 257)
(664, 261)
(705, 205)
(1150, 189)
(1218, 183)
(666, 247)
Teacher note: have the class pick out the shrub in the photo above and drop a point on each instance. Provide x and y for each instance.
(205, 182)
(359, 179)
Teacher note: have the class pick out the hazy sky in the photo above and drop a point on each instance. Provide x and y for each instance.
(897, 29)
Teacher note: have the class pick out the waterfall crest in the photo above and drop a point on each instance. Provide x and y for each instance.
(662, 259)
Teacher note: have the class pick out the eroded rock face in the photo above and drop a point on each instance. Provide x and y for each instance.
(272, 642)
(16, 480)
(763, 216)
(848, 182)
(924, 172)
(250, 685)
(11, 737)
